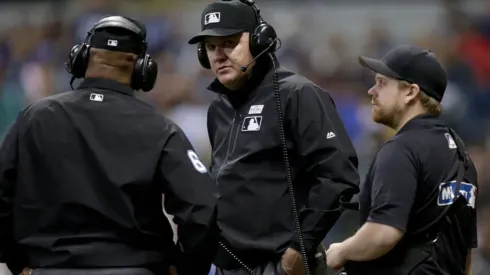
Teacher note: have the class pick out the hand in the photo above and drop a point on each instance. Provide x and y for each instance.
(292, 262)
(335, 256)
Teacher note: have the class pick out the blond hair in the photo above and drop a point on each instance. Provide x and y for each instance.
(431, 106)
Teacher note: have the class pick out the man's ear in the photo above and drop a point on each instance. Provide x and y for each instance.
(411, 93)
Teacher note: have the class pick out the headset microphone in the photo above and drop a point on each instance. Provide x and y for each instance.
(244, 68)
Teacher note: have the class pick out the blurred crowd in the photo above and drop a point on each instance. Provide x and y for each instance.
(33, 52)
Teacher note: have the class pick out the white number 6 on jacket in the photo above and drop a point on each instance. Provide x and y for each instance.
(198, 165)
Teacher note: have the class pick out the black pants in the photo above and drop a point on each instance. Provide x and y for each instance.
(93, 271)
(319, 267)
(270, 268)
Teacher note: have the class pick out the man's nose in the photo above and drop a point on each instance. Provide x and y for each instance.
(371, 91)
(220, 54)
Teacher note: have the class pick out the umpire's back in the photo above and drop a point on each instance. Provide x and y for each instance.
(91, 166)
(86, 178)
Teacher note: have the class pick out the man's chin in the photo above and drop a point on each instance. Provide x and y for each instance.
(383, 120)
(378, 117)
(225, 80)
(230, 81)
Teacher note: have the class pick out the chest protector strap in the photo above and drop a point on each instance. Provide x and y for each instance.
(458, 199)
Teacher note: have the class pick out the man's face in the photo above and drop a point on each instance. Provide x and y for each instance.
(227, 55)
(387, 101)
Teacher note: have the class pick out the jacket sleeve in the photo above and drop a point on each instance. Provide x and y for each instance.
(8, 175)
(191, 197)
(328, 161)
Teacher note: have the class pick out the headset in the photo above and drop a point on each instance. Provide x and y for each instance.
(262, 39)
(145, 69)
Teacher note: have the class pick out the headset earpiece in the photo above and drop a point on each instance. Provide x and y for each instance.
(261, 38)
(73, 53)
(144, 74)
(263, 35)
(78, 60)
(202, 55)
(145, 68)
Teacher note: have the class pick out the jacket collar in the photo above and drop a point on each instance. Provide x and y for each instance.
(106, 84)
(258, 74)
(421, 121)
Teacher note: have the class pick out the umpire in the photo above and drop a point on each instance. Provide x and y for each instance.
(82, 173)
(418, 201)
(256, 161)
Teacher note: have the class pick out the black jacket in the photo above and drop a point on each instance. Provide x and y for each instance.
(82, 175)
(254, 211)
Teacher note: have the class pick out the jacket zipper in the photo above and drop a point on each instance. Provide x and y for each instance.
(225, 162)
(235, 132)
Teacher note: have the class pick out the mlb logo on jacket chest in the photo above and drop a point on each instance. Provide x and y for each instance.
(251, 124)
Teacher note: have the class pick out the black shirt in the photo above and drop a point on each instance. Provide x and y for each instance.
(82, 175)
(409, 176)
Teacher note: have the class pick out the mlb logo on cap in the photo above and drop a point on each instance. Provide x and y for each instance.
(96, 97)
(212, 17)
(225, 18)
(112, 43)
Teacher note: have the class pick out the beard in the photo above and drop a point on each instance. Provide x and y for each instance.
(384, 115)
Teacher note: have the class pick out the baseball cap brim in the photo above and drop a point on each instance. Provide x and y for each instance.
(377, 66)
(214, 32)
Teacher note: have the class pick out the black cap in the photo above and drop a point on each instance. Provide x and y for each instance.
(114, 38)
(414, 65)
(224, 18)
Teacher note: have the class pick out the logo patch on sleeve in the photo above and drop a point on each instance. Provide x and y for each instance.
(446, 193)
(450, 141)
